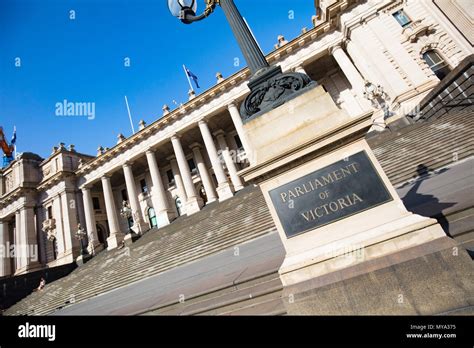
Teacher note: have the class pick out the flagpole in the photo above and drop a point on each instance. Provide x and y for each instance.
(14, 145)
(129, 115)
(187, 76)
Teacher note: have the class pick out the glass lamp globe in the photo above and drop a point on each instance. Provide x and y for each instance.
(370, 88)
(176, 7)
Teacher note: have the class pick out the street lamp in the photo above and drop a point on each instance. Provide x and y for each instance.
(80, 234)
(269, 86)
(126, 213)
(378, 97)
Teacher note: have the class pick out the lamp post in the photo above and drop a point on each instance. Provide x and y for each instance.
(269, 86)
(126, 213)
(378, 97)
(80, 234)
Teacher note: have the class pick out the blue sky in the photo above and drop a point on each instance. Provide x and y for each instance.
(82, 60)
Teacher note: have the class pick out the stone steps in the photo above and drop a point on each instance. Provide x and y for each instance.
(188, 239)
(111, 283)
(434, 144)
(258, 296)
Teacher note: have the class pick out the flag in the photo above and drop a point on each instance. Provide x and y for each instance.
(13, 141)
(194, 77)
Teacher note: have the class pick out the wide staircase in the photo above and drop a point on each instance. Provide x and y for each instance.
(434, 145)
(217, 227)
(261, 295)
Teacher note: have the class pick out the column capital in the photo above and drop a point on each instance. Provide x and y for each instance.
(335, 47)
(150, 150)
(105, 177)
(202, 121)
(85, 188)
(127, 164)
(233, 104)
(298, 68)
(175, 137)
(219, 133)
(195, 146)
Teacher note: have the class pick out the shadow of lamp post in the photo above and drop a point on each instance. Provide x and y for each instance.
(269, 86)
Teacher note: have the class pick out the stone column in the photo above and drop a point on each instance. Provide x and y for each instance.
(69, 215)
(40, 213)
(193, 203)
(2, 185)
(239, 127)
(57, 216)
(90, 218)
(224, 190)
(177, 179)
(138, 222)
(28, 254)
(203, 173)
(5, 268)
(17, 240)
(352, 74)
(116, 236)
(229, 161)
(381, 69)
(158, 193)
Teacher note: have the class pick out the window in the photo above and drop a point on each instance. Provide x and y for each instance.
(50, 212)
(179, 206)
(192, 166)
(437, 64)
(238, 142)
(143, 186)
(402, 18)
(170, 176)
(152, 218)
(96, 203)
(124, 195)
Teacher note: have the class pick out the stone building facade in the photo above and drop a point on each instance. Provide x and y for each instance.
(377, 55)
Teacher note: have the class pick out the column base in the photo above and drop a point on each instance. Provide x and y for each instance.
(238, 188)
(224, 191)
(140, 227)
(211, 200)
(193, 205)
(32, 267)
(128, 240)
(164, 218)
(80, 260)
(114, 241)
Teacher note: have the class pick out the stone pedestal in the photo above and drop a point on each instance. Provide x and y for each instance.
(333, 205)
(80, 260)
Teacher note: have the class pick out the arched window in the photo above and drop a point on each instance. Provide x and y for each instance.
(437, 64)
(152, 217)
